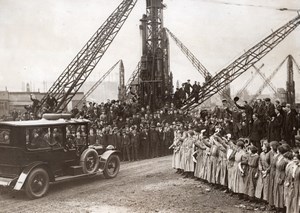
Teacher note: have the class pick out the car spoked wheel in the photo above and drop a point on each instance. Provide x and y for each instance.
(112, 166)
(89, 161)
(37, 183)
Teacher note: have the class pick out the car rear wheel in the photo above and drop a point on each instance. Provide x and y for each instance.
(89, 161)
(112, 166)
(37, 183)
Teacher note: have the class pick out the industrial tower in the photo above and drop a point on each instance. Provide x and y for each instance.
(122, 88)
(155, 75)
(290, 83)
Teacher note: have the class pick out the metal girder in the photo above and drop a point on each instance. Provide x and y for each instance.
(197, 64)
(267, 81)
(240, 92)
(76, 73)
(297, 65)
(92, 89)
(290, 83)
(133, 76)
(243, 63)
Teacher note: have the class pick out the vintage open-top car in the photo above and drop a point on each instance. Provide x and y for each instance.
(56, 148)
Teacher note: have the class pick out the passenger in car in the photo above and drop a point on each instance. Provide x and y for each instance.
(6, 139)
(70, 140)
(78, 139)
(92, 137)
(38, 141)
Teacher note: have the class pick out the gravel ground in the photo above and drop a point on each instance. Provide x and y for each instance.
(142, 186)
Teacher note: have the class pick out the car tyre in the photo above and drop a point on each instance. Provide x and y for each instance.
(37, 183)
(89, 161)
(112, 166)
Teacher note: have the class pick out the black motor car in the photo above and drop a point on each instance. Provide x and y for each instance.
(56, 148)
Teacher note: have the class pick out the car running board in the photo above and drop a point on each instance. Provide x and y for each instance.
(72, 177)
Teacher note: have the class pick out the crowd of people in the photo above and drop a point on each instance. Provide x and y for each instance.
(136, 131)
(246, 150)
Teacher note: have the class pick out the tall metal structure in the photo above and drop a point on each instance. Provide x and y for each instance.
(290, 83)
(134, 76)
(92, 89)
(121, 88)
(225, 93)
(155, 72)
(267, 81)
(76, 73)
(240, 92)
(243, 63)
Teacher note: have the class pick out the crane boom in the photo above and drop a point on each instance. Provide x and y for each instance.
(92, 89)
(297, 65)
(265, 79)
(259, 91)
(133, 76)
(243, 63)
(76, 73)
(240, 92)
(197, 64)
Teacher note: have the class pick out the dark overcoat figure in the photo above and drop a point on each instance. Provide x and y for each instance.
(256, 132)
(135, 141)
(145, 143)
(154, 138)
(274, 128)
(289, 126)
(126, 144)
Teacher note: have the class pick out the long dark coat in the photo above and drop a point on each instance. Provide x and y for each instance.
(274, 128)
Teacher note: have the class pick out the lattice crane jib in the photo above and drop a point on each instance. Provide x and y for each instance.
(96, 85)
(240, 92)
(134, 77)
(244, 62)
(267, 81)
(195, 62)
(73, 77)
(224, 93)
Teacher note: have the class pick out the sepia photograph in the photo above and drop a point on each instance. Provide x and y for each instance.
(145, 106)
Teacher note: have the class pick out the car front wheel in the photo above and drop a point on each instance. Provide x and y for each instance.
(37, 183)
(89, 161)
(112, 166)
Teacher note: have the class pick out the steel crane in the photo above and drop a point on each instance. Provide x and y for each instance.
(197, 64)
(132, 78)
(240, 92)
(76, 73)
(92, 89)
(267, 81)
(243, 63)
(290, 83)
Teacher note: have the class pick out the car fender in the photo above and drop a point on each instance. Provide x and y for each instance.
(22, 178)
(105, 156)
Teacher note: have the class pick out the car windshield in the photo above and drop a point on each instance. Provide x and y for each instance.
(4, 136)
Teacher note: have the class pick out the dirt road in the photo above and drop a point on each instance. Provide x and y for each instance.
(142, 186)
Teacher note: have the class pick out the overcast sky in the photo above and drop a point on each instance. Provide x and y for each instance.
(38, 39)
